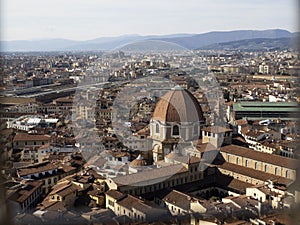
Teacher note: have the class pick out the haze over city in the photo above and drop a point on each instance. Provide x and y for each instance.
(83, 20)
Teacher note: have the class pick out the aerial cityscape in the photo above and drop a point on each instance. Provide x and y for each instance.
(157, 128)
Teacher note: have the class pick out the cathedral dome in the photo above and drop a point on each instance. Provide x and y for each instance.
(178, 105)
(138, 162)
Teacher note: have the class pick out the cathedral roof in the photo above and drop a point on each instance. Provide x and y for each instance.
(178, 105)
(139, 161)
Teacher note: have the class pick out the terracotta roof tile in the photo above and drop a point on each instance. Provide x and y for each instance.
(115, 194)
(261, 156)
(150, 175)
(178, 105)
(216, 129)
(37, 168)
(31, 137)
(260, 175)
(28, 189)
(179, 199)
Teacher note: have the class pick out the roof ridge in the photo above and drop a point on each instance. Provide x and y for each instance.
(169, 103)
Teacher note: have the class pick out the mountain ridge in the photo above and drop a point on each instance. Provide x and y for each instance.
(188, 41)
(255, 44)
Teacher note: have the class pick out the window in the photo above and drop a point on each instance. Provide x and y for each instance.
(25, 142)
(175, 130)
(246, 163)
(287, 174)
(157, 128)
(34, 142)
(111, 203)
(276, 171)
(228, 158)
(266, 168)
(195, 130)
(237, 160)
(255, 165)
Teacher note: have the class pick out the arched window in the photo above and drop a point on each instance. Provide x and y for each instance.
(287, 174)
(237, 160)
(157, 128)
(175, 130)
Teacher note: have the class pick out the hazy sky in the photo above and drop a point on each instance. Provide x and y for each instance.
(88, 19)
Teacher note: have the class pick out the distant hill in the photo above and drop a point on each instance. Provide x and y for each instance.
(151, 45)
(200, 40)
(98, 44)
(188, 41)
(255, 44)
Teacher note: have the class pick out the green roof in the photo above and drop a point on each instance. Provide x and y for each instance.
(266, 106)
(271, 118)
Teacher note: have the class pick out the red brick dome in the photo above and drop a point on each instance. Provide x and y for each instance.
(138, 162)
(178, 105)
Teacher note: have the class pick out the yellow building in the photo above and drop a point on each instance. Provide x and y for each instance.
(257, 167)
(133, 207)
(65, 192)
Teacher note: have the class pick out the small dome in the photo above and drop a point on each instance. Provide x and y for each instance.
(178, 105)
(138, 162)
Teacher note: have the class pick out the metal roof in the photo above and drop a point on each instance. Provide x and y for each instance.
(266, 106)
